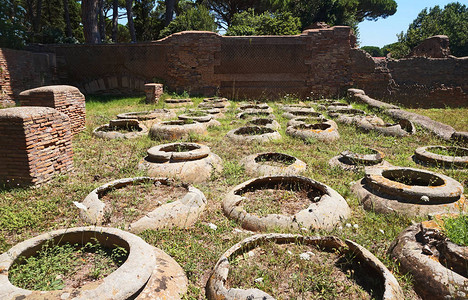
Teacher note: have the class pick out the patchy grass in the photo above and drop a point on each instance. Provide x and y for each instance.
(55, 267)
(27, 212)
(455, 117)
(456, 229)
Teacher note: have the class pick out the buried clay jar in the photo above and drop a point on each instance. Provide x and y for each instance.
(138, 276)
(409, 191)
(188, 162)
(324, 206)
(451, 157)
(181, 212)
(121, 129)
(218, 286)
(321, 131)
(269, 163)
(253, 134)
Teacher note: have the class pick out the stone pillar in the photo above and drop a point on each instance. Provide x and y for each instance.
(64, 98)
(35, 144)
(153, 91)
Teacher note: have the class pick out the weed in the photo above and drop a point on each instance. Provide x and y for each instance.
(54, 264)
(456, 229)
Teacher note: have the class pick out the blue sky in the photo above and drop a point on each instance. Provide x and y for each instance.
(383, 31)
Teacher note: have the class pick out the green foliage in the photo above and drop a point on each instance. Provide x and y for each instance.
(457, 229)
(12, 21)
(451, 21)
(374, 51)
(196, 18)
(341, 12)
(248, 23)
(148, 20)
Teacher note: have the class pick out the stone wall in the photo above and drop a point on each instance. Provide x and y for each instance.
(64, 98)
(22, 70)
(36, 145)
(321, 62)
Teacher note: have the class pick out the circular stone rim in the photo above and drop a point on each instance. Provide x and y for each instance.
(264, 137)
(150, 114)
(98, 132)
(450, 191)
(156, 154)
(206, 118)
(94, 211)
(424, 155)
(215, 288)
(135, 271)
(273, 124)
(358, 158)
(329, 134)
(324, 214)
(253, 167)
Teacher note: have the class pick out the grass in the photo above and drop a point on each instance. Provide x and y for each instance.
(27, 212)
(54, 266)
(455, 117)
(456, 229)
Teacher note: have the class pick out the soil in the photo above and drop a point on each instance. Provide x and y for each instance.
(285, 275)
(263, 202)
(89, 265)
(128, 204)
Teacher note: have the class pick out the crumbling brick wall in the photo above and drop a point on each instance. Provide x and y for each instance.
(21, 70)
(35, 145)
(66, 99)
(320, 62)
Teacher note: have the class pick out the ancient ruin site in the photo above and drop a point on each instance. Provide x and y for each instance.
(230, 164)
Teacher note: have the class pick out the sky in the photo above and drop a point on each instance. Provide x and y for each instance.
(383, 31)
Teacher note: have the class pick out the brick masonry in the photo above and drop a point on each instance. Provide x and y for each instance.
(153, 91)
(35, 145)
(320, 62)
(64, 98)
(21, 70)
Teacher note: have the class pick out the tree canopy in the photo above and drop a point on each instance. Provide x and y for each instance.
(96, 21)
(452, 21)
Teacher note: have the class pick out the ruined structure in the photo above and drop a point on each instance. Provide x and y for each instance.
(35, 145)
(319, 62)
(64, 98)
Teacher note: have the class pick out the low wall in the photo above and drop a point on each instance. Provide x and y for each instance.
(317, 63)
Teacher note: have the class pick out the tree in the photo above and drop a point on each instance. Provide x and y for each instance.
(248, 23)
(373, 51)
(149, 20)
(170, 6)
(341, 12)
(195, 18)
(90, 13)
(225, 10)
(12, 20)
(131, 26)
(451, 21)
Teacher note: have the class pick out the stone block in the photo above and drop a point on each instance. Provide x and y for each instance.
(35, 144)
(153, 91)
(64, 98)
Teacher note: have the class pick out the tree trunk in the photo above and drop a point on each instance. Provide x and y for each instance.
(170, 5)
(102, 20)
(66, 12)
(89, 12)
(115, 17)
(37, 19)
(131, 27)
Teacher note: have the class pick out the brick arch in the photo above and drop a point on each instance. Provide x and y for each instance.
(114, 84)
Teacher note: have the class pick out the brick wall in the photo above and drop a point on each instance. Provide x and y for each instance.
(319, 63)
(36, 144)
(21, 70)
(64, 98)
